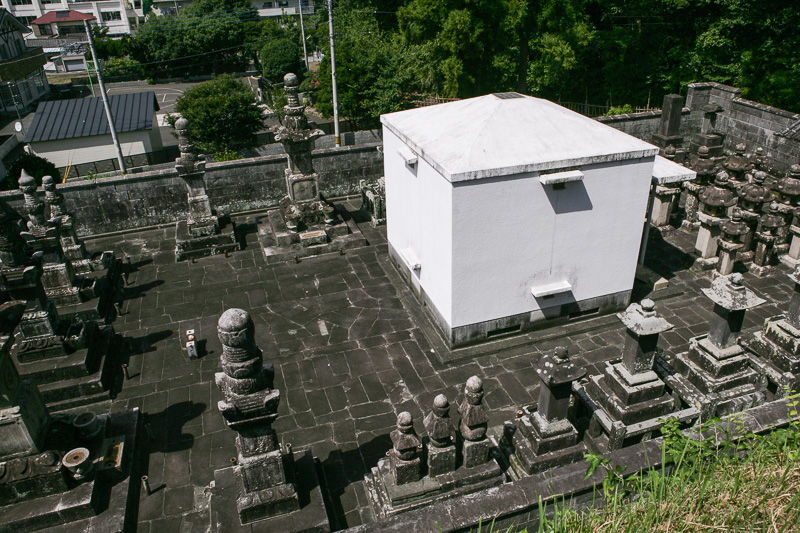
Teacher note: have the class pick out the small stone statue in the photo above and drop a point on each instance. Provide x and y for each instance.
(406, 451)
(442, 450)
(474, 423)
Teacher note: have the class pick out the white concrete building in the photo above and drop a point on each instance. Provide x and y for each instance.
(119, 16)
(507, 211)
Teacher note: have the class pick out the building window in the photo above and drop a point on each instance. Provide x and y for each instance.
(266, 5)
(26, 86)
(111, 15)
(38, 81)
(283, 3)
(5, 96)
(137, 4)
(51, 1)
(26, 20)
(21, 2)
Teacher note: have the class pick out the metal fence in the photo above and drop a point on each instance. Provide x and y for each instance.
(596, 110)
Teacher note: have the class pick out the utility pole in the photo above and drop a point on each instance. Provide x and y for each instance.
(333, 77)
(104, 96)
(303, 33)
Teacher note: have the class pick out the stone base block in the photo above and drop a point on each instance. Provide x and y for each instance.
(761, 271)
(706, 264)
(476, 453)
(528, 452)
(662, 141)
(189, 247)
(789, 261)
(689, 227)
(405, 471)
(386, 498)
(309, 515)
(441, 460)
(266, 503)
(280, 244)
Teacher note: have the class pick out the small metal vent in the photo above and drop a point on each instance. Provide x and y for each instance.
(506, 96)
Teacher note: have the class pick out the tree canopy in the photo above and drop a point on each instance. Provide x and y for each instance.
(222, 115)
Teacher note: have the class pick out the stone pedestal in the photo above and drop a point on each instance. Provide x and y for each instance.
(664, 200)
(731, 242)
(792, 258)
(719, 377)
(708, 239)
(770, 224)
(373, 200)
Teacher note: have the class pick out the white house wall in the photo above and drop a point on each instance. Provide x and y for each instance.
(511, 234)
(90, 149)
(419, 213)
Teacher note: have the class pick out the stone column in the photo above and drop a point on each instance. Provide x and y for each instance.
(714, 203)
(731, 300)
(441, 435)
(769, 226)
(643, 327)
(752, 197)
(545, 438)
(71, 245)
(664, 200)
(792, 258)
(249, 408)
(705, 168)
(405, 456)
(200, 219)
(34, 206)
(730, 242)
(473, 425)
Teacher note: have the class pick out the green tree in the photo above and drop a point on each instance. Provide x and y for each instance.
(222, 114)
(279, 56)
(36, 166)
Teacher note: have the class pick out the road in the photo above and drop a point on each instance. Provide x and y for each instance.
(166, 94)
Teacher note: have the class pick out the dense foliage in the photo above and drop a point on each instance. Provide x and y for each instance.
(611, 52)
(34, 165)
(222, 115)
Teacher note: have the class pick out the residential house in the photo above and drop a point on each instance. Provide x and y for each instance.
(119, 16)
(74, 134)
(22, 79)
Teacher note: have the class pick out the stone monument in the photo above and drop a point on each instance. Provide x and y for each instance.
(769, 224)
(719, 378)
(373, 200)
(753, 195)
(709, 136)
(540, 439)
(737, 164)
(263, 485)
(305, 224)
(669, 128)
(714, 203)
(706, 169)
(203, 233)
(731, 242)
(629, 400)
(396, 484)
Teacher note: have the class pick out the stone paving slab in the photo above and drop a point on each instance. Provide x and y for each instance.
(349, 354)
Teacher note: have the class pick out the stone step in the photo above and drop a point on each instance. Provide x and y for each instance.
(77, 364)
(78, 404)
(68, 389)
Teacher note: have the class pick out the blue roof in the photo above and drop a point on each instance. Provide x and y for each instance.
(85, 117)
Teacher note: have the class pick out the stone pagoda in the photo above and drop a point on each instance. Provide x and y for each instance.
(543, 438)
(737, 164)
(629, 400)
(399, 482)
(778, 344)
(730, 243)
(767, 237)
(753, 195)
(267, 480)
(305, 223)
(203, 233)
(706, 168)
(718, 377)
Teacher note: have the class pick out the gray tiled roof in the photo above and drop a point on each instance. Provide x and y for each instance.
(84, 117)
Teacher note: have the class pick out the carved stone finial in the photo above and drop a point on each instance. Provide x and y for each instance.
(474, 420)
(406, 451)
(437, 423)
(703, 152)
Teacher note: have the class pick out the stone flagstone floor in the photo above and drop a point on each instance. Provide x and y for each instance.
(349, 353)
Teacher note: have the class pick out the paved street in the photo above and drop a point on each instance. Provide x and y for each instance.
(350, 350)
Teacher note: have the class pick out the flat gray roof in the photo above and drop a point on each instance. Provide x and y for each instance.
(85, 117)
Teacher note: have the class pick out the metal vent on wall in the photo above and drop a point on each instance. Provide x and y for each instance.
(506, 96)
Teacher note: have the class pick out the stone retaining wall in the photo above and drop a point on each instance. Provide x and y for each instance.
(644, 125)
(156, 197)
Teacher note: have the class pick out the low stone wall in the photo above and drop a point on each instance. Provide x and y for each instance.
(644, 125)
(156, 197)
(744, 121)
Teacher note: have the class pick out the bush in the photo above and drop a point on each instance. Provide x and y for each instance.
(36, 166)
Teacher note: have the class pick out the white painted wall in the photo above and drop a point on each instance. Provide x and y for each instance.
(95, 148)
(513, 233)
(419, 210)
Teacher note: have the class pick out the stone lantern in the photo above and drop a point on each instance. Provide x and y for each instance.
(714, 203)
(766, 237)
(716, 366)
(752, 197)
(736, 165)
(705, 168)
(731, 242)
(545, 437)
